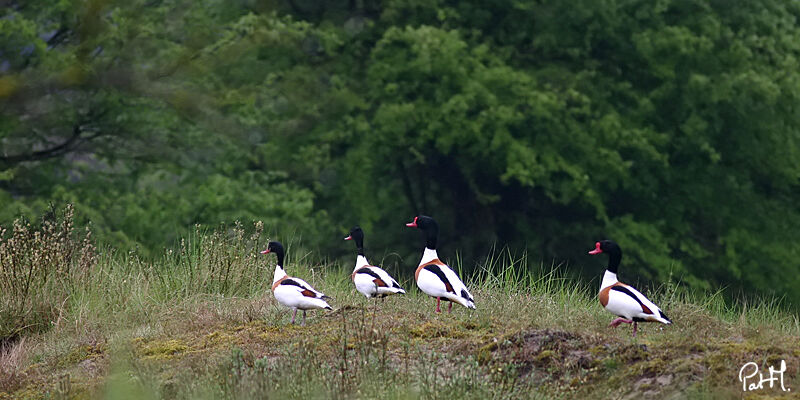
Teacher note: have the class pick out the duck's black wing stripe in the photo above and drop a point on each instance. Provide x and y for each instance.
(664, 316)
(625, 290)
(438, 271)
(370, 272)
(465, 295)
(366, 270)
(307, 291)
(293, 282)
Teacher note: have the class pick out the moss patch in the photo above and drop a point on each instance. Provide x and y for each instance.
(79, 354)
(160, 349)
(430, 329)
(23, 394)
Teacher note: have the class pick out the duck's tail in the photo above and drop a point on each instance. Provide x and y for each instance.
(663, 318)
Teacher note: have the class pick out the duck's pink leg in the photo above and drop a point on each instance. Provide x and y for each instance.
(634, 328)
(438, 299)
(615, 323)
(450, 307)
(294, 314)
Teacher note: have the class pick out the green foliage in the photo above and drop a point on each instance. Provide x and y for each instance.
(669, 126)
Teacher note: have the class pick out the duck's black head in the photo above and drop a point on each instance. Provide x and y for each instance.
(277, 248)
(357, 235)
(612, 249)
(429, 227)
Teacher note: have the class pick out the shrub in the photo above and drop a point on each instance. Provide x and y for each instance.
(40, 267)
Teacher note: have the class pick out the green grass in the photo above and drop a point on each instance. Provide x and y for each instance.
(200, 322)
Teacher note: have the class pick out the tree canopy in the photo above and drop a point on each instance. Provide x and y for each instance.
(668, 126)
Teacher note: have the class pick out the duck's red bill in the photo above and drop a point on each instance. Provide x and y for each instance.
(349, 238)
(265, 251)
(597, 249)
(412, 224)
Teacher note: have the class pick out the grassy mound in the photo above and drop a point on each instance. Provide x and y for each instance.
(201, 323)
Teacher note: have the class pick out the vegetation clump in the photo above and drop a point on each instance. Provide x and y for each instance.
(41, 267)
(161, 349)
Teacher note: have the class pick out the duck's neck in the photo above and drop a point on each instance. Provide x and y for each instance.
(609, 278)
(360, 245)
(279, 273)
(279, 254)
(614, 258)
(431, 237)
(361, 261)
(428, 255)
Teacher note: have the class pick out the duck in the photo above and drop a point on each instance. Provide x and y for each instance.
(292, 292)
(434, 277)
(624, 301)
(371, 281)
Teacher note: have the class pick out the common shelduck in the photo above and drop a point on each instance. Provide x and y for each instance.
(294, 293)
(623, 300)
(433, 276)
(370, 280)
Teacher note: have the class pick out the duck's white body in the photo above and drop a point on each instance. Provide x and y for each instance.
(446, 286)
(627, 302)
(296, 293)
(372, 281)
